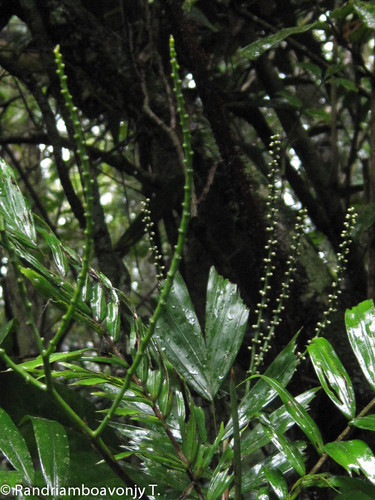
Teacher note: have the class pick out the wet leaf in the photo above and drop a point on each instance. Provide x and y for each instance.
(256, 49)
(55, 246)
(97, 302)
(13, 206)
(254, 439)
(353, 455)
(360, 327)
(366, 12)
(178, 334)
(277, 481)
(220, 481)
(261, 394)
(112, 317)
(298, 413)
(53, 450)
(57, 356)
(292, 453)
(367, 422)
(13, 446)
(226, 319)
(253, 477)
(333, 376)
(203, 363)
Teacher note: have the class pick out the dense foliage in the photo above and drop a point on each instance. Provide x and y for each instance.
(248, 169)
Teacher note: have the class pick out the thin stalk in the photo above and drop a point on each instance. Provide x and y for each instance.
(182, 232)
(88, 206)
(269, 259)
(236, 438)
(24, 374)
(285, 287)
(349, 224)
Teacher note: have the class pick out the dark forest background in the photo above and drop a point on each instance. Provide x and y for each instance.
(315, 89)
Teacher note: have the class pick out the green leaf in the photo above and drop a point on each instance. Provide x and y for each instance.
(360, 327)
(259, 396)
(344, 82)
(226, 319)
(298, 413)
(165, 398)
(11, 478)
(292, 453)
(256, 49)
(57, 356)
(312, 68)
(357, 488)
(366, 218)
(5, 330)
(55, 246)
(13, 206)
(366, 12)
(53, 450)
(319, 114)
(112, 318)
(333, 69)
(367, 422)
(203, 364)
(280, 419)
(188, 4)
(277, 481)
(353, 455)
(60, 292)
(154, 383)
(178, 334)
(199, 415)
(220, 481)
(97, 302)
(333, 376)
(263, 494)
(190, 442)
(142, 440)
(291, 99)
(212, 449)
(13, 446)
(253, 477)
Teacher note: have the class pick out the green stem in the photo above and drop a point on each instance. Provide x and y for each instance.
(236, 438)
(88, 206)
(24, 374)
(182, 232)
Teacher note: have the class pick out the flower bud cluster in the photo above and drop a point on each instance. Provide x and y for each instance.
(260, 345)
(342, 260)
(150, 231)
